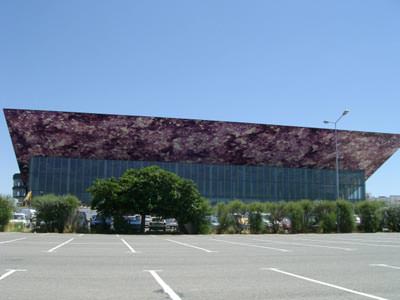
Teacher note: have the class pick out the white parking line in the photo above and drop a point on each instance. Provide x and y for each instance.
(129, 246)
(252, 245)
(385, 266)
(62, 244)
(396, 242)
(10, 241)
(325, 284)
(9, 272)
(167, 289)
(190, 246)
(354, 243)
(306, 245)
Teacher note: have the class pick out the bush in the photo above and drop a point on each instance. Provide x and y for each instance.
(277, 211)
(325, 216)
(226, 220)
(391, 218)
(256, 222)
(294, 211)
(55, 211)
(345, 216)
(370, 215)
(5, 211)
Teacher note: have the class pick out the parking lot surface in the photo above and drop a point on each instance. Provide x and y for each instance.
(91, 266)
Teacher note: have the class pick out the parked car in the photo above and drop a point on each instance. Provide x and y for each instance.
(266, 219)
(19, 219)
(101, 223)
(242, 221)
(171, 224)
(157, 223)
(357, 220)
(134, 222)
(213, 221)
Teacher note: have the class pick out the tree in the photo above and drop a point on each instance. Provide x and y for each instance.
(151, 191)
(5, 211)
(55, 211)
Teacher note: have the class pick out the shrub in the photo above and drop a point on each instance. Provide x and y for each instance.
(277, 211)
(325, 216)
(370, 215)
(345, 216)
(294, 211)
(5, 211)
(55, 211)
(226, 220)
(391, 218)
(256, 222)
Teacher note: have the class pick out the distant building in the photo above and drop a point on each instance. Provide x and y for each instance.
(392, 199)
(19, 188)
(64, 152)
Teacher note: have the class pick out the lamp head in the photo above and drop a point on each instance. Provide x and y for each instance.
(345, 112)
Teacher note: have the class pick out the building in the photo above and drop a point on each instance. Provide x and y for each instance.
(63, 152)
(19, 188)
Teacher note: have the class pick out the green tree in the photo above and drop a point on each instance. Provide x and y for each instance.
(151, 191)
(55, 211)
(5, 211)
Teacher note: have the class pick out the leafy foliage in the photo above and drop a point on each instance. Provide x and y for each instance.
(5, 211)
(345, 216)
(152, 191)
(369, 212)
(55, 211)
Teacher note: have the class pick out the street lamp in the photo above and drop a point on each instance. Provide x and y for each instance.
(345, 112)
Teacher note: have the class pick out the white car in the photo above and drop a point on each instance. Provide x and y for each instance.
(19, 218)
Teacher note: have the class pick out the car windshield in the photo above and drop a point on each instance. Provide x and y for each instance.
(18, 217)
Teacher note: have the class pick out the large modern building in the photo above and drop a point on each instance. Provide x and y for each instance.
(64, 152)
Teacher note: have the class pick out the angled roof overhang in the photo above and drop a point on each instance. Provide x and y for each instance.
(118, 137)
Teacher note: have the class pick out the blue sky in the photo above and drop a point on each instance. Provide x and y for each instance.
(289, 62)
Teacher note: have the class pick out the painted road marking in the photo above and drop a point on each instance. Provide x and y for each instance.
(9, 272)
(167, 289)
(396, 242)
(252, 245)
(325, 284)
(10, 241)
(354, 243)
(385, 266)
(62, 244)
(191, 246)
(306, 245)
(129, 246)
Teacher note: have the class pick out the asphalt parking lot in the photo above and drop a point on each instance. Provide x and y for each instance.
(90, 266)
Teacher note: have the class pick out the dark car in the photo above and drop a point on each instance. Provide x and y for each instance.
(157, 224)
(99, 223)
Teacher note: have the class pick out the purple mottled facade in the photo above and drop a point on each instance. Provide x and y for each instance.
(136, 138)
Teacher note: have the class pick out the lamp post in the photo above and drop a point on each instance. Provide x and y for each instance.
(345, 112)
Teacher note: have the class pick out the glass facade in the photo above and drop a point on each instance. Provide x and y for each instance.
(215, 182)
